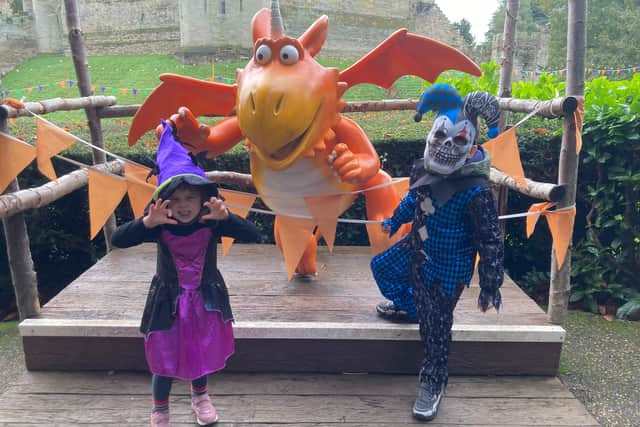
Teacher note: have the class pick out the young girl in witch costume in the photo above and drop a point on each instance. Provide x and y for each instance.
(187, 317)
(453, 216)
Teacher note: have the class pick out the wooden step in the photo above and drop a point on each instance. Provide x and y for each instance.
(324, 324)
(245, 400)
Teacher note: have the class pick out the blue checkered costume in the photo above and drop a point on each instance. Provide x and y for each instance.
(424, 274)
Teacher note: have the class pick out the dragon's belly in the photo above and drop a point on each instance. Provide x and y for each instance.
(284, 191)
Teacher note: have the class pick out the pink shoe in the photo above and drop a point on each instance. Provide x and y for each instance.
(205, 412)
(160, 419)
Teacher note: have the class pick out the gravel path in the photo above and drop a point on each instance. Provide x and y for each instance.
(600, 364)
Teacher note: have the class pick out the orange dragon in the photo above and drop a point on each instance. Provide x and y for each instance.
(288, 108)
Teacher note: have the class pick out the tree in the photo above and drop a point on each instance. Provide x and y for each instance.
(464, 28)
(611, 37)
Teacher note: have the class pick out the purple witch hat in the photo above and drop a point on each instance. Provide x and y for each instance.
(176, 166)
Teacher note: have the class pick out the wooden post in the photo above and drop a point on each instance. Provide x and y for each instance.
(23, 276)
(79, 53)
(506, 68)
(508, 47)
(560, 285)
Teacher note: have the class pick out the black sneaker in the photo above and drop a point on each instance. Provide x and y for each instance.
(387, 310)
(426, 405)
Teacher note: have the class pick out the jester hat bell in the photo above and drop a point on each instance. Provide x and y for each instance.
(176, 166)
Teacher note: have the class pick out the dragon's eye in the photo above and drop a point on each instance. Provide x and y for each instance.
(289, 55)
(263, 54)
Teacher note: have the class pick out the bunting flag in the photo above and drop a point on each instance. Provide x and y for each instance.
(244, 200)
(532, 220)
(506, 156)
(139, 190)
(50, 140)
(325, 211)
(402, 186)
(105, 193)
(294, 236)
(560, 226)
(140, 194)
(139, 173)
(15, 155)
(577, 117)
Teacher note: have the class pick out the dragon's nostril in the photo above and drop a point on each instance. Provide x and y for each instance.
(253, 103)
(276, 110)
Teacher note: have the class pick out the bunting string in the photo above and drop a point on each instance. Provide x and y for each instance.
(368, 221)
(88, 144)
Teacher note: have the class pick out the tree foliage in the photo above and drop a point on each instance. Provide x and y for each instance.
(464, 28)
(612, 36)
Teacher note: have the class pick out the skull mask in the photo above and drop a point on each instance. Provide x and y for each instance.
(448, 145)
(455, 128)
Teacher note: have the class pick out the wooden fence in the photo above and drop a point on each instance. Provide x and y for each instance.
(15, 201)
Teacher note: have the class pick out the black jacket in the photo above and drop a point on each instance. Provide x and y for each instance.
(160, 308)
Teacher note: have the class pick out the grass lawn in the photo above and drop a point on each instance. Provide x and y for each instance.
(131, 78)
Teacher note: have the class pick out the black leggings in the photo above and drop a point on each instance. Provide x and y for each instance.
(161, 386)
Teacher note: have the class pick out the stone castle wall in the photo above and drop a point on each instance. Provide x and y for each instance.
(223, 27)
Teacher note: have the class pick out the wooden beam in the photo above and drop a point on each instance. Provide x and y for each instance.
(57, 104)
(551, 109)
(22, 200)
(23, 275)
(560, 286)
(18, 201)
(537, 190)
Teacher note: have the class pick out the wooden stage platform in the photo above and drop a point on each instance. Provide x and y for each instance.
(122, 399)
(325, 324)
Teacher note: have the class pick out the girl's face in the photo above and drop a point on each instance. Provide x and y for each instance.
(185, 204)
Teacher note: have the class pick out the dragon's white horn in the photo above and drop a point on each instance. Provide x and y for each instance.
(277, 27)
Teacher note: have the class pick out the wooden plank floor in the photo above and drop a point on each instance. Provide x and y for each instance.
(306, 319)
(343, 292)
(246, 400)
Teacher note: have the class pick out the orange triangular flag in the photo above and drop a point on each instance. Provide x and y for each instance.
(532, 220)
(15, 155)
(402, 186)
(294, 236)
(140, 173)
(561, 227)
(140, 194)
(577, 116)
(506, 156)
(105, 193)
(325, 211)
(239, 204)
(50, 140)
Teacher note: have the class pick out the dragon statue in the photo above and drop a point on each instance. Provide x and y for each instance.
(288, 106)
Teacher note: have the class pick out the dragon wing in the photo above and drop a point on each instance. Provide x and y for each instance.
(200, 96)
(404, 53)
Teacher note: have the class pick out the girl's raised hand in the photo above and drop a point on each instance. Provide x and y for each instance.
(159, 213)
(217, 210)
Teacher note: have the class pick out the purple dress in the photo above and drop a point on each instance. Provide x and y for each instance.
(200, 341)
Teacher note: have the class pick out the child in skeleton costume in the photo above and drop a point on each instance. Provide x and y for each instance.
(187, 319)
(454, 217)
